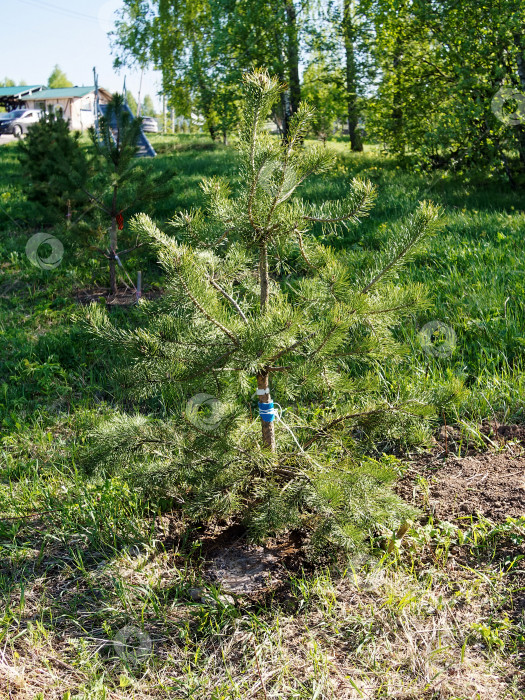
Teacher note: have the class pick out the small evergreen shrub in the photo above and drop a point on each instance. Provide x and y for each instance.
(55, 168)
(255, 303)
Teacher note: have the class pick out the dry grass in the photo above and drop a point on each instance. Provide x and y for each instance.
(385, 632)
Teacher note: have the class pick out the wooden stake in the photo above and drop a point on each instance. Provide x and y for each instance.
(139, 285)
(446, 434)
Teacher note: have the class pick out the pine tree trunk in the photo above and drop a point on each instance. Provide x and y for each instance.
(112, 275)
(356, 143)
(264, 276)
(268, 429)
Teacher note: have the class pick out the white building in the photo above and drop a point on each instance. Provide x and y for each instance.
(76, 104)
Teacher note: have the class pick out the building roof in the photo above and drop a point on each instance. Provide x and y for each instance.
(59, 93)
(17, 90)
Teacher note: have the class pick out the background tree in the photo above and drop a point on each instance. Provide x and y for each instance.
(174, 37)
(479, 70)
(438, 80)
(325, 90)
(148, 108)
(132, 102)
(397, 50)
(255, 304)
(203, 47)
(292, 54)
(339, 37)
(58, 79)
(223, 111)
(353, 24)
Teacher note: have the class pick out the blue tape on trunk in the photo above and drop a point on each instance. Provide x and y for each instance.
(266, 412)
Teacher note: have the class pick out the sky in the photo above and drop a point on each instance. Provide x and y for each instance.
(37, 34)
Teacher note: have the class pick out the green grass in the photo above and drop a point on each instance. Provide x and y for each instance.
(80, 559)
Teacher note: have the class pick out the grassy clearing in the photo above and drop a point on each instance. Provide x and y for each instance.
(437, 617)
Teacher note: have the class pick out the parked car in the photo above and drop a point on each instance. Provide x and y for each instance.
(149, 124)
(18, 121)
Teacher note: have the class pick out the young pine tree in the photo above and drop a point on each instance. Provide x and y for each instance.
(257, 310)
(121, 180)
(55, 168)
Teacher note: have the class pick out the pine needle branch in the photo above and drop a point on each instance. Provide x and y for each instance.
(420, 226)
(230, 299)
(357, 204)
(303, 252)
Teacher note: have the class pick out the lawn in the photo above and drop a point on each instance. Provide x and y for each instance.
(437, 613)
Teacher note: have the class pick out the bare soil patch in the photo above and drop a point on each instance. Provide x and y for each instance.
(247, 569)
(489, 483)
(229, 561)
(125, 296)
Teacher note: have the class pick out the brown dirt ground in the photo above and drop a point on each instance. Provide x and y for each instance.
(490, 483)
(124, 297)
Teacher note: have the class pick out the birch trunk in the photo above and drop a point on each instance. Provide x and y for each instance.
(356, 143)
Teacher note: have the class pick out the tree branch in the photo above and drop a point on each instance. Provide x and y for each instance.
(210, 318)
(290, 347)
(230, 299)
